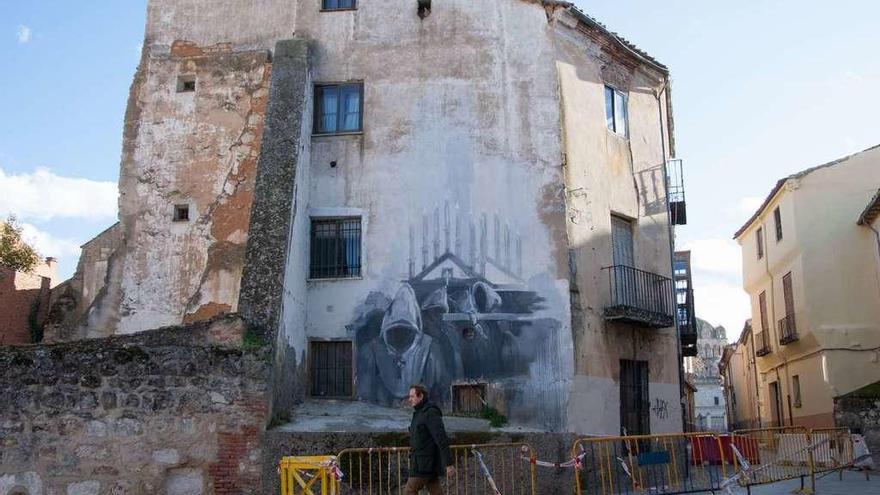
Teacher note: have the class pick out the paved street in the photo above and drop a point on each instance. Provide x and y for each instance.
(852, 484)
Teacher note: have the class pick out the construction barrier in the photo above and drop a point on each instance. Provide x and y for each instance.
(491, 469)
(309, 475)
(650, 464)
(773, 454)
(833, 449)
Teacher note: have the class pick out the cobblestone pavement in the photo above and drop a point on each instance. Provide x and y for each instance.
(853, 484)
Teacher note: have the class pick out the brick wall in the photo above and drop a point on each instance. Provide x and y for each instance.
(24, 299)
(179, 410)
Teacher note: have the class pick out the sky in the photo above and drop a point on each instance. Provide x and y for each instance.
(761, 89)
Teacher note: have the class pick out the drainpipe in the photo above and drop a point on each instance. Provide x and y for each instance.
(680, 362)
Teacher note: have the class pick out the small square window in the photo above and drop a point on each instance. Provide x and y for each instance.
(469, 399)
(331, 369)
(335, 248)
(186, 84)
(339, 108)
(181, 213)
(338, 4)
(616, 111)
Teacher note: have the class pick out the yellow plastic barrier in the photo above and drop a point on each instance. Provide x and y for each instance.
(305, 474)
(649, 464)
(481, 469)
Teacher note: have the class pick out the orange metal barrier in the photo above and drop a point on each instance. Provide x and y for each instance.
(833, 449)
(774, 454)
(386, 470)
(649, 464)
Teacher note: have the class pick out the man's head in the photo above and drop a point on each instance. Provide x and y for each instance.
(417, 394)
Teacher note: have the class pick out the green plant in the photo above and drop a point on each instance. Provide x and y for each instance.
(251, 341)
(14, 252)
(496, 419)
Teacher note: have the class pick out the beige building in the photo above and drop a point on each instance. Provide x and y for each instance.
(741, 381)
(815, 301)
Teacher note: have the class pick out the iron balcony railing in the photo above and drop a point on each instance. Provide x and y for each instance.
(687, 321)
(639, 297)
(762, 344)
(787, 330)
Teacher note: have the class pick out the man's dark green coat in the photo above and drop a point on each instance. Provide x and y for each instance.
(430, 446)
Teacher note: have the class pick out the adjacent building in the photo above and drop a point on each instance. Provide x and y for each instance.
(25, 299)
(740, 380)
(810, 268)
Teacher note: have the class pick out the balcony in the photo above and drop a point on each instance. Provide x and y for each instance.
(687, 322)
(762, 344)
(787, 330)
(675, 191)
(639, 297)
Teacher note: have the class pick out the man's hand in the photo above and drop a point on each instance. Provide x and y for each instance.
(450, 471)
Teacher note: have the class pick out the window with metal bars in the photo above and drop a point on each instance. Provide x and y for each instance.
(338, 4)
(634, 399)
(335, 248)
(331, 369)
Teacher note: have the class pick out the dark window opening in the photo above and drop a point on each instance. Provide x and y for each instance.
(335, 248)
(469, 399)
(616, 112)
(777, 219)
(796, 389)
(634, 399)
(338, 4)
(339, 108)
(717, 402)
(181, 213)
(759, 237)
(331, 369)
(186, 84)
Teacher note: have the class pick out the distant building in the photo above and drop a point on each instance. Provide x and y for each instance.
(741, 381)
(810, 267)
(710, 409)
(24, 301)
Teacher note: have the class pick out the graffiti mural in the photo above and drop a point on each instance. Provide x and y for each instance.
(468, 315)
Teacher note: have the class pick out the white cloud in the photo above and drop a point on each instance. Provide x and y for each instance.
(715, 256)
(854, 76)
(23, 34)
(42, 195)
(47, 244)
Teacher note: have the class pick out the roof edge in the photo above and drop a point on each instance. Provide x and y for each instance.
(871, 212)
(797, 175)
(639, 54)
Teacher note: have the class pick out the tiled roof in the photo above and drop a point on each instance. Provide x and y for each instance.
(798, 175)
(872, 211)
(635, 50)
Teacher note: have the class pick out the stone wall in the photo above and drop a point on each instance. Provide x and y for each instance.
(24, 303)
(175, 410)
(861, 414)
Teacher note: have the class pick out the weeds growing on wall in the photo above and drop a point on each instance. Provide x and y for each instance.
(496, 419)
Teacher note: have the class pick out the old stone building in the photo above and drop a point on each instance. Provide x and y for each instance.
(471, 195)
(710, 404)
(25, 299)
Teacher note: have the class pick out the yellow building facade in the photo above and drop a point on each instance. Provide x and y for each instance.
(810, 270)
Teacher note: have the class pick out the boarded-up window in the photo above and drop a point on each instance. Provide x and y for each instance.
(634, 399)
(331, 369)
(468, 399)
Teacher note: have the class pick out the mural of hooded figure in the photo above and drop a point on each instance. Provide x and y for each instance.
(402, 354)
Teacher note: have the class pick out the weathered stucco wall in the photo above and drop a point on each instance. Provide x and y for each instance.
(194, 148)
(609, 174)
(174, 411)
(458, 168)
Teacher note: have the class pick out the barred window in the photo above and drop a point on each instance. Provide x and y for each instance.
(331, 369)
(339, 108)
(335, 248)
(468, 399)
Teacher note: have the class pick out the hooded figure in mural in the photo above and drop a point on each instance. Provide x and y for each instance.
(401, 355)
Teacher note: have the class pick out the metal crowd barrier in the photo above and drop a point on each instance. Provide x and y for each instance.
(774, 454)
(650, 464)
(834, 451)
(386, 470)
(309, 475)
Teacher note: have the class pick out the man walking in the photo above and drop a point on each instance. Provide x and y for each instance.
(429, 446)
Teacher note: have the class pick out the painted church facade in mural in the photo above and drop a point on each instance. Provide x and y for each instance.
(479, 201)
